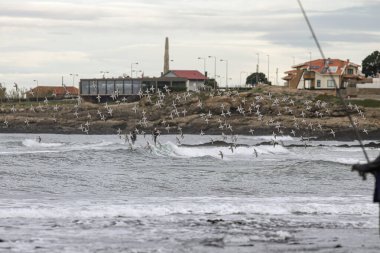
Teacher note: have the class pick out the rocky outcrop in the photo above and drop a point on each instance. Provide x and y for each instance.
(261, 111)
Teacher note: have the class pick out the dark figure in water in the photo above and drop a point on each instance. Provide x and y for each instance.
(373, 168)
(39, 139)
(155, 134)
(133, 136)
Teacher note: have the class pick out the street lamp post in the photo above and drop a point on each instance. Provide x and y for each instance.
(74, 75)
(37, 88)
(226, 71)
(268, 68)
(242, 72)
(276, 76)
(137, 71)
(210, 56)
(219, 78)
(133, 63)
(310, 61)
(257, 68)
(204, 67)
(204, 64)
(104, 73)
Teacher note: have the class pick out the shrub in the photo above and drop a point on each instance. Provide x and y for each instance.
(366, 102)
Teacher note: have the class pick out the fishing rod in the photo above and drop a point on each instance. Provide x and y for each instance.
(337, 89)
(333, 79)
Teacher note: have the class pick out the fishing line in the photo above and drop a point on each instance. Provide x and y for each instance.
(336, 88)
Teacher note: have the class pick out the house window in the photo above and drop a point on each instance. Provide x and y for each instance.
(350, 71)
(319, 83)
(330, 84)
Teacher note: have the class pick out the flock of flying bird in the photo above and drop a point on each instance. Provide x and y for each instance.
(264, 108)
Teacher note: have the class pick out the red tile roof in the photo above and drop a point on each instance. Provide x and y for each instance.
(189, 74)
(335, 66)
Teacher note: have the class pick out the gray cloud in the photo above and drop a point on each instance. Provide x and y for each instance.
(109, 34)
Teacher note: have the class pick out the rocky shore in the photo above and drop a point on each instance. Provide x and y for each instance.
(260, 111)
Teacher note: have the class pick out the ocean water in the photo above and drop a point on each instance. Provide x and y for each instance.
(96, 193)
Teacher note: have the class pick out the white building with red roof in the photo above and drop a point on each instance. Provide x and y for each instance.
(322, 74)
(195, 79)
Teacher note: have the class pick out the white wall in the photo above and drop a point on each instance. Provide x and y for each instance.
(374, 85)
(324, 79)
(193, 85)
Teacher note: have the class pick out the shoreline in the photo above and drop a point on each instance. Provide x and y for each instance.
(343, 136)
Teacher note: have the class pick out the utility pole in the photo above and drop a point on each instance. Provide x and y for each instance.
(277, 76)
(210, 56)
(257, 68)
(226, 71)
(268, 68)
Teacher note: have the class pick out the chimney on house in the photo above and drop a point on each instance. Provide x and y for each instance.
(166, 56)
(327, 62)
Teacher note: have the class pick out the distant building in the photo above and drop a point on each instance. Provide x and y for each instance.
(174, 80)
(52, 92)
(317, 74)
(128, 87)
(195, 80)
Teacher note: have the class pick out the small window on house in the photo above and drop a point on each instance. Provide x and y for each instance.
(319, 83)
(350, 71)
(330, 83)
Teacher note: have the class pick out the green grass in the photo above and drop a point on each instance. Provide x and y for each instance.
(257, 90)
(366, 103)
(327, 98)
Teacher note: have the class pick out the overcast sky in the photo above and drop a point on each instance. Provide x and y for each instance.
(46, 39)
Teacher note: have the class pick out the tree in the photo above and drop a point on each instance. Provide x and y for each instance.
(371, 64)
(254, 78)
(211, 83)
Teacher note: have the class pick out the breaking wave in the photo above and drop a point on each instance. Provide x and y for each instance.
(291, 207)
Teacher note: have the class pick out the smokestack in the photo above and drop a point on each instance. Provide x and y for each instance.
(166, 56)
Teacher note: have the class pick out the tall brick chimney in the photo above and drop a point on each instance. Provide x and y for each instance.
(166, 56)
